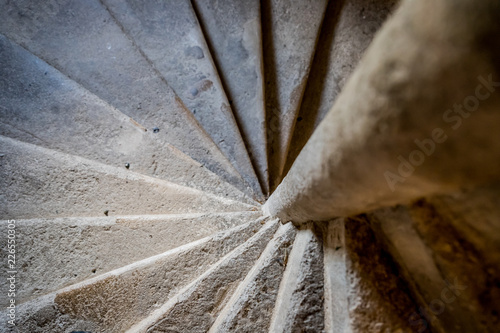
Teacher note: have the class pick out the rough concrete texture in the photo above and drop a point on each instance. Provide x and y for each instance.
(116, 300)
(195, 308)
(397, 107)
(44, 107)
(233, 33)
(335, 280)
(40, 182)
(378, 300)
(347, 31)
(299, 304)
(290, 29)
(251, 307)
(448, 247)
(107, 63)
(188, 68)
(76, 249)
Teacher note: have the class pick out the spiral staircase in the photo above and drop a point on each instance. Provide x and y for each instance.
(138, 143)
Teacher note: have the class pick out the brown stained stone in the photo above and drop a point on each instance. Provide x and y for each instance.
(475, 273)
(379, 300)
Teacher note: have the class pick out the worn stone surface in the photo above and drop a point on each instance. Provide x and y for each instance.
(107, 63)
(188, 68)
(347, 31)
(41, 182)
(336, 288)
(251, 307)
(76, 249)
(195, 308)
(42, 106)
(114, 301)
(290, 29)
(448, 249)
(398, 100)
(378, 299)
(299, 304)
(233, 33)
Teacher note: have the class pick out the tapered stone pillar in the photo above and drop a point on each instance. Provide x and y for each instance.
(420, 115)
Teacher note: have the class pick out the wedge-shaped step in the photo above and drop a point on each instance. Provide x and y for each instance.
(438, 242)
(42, 106)
(107, 63)
(188, 68)
(299, 303)
(378, 299)
(194, 308)
(76, 249)
(233, 32)
(290, 30)
(336, 288)
(345, 35)
(42, 182)
(251, 306)
(114, 301)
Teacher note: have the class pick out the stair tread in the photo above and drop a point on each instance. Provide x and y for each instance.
(112, 302)
(188, 68)
(250, 307)
(233, 31)
(207, 293)
(343, 39)
(88, 246)
(300, 298)
(290, 31)
(60, 114)
(43, 182)
(107, 63)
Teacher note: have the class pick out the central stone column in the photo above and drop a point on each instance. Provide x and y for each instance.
(419, 116)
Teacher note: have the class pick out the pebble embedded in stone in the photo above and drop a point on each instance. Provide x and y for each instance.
(195, 52)
(193, 91)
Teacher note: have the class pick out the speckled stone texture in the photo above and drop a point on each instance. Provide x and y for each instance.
(44, 107)
(113, 302)
(196, 308)
(307, 311)
(401, 97)
(53, 184)
(378, 299)
(110, 65)
(87, 247)
(233, 32)
(252, 310)
(290, 29)
(188, 68)
(348, 29)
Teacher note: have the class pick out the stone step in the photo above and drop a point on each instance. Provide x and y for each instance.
(77, 248)
(378, 297)
(114, 301)
(195, 307)
(233, 33)
(336, 288)
(438, 242)
(290, 31)
(188, 68)
(42, 106)
(345, 35)
(39, 182)
(107, 63)
(299, 303)
(251, 306)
